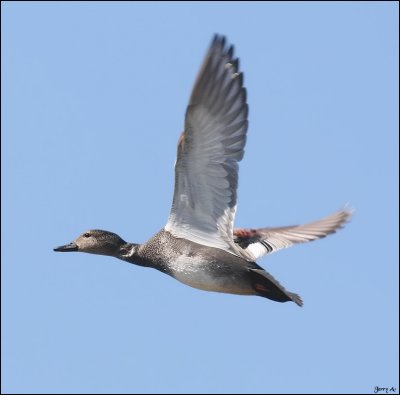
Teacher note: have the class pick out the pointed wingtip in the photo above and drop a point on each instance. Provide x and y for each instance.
(219, 40)
(348, 209)
(345, 214)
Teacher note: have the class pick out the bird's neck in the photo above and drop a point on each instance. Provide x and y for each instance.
(129, 252)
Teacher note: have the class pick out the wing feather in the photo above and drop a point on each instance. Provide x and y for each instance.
(212, 144)
(259, 242)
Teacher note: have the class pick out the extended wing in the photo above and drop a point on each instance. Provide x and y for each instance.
(209, 149)
(263, 241)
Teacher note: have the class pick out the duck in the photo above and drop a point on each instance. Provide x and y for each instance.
(199, 245)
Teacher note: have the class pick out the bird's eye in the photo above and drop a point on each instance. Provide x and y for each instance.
(86, 235)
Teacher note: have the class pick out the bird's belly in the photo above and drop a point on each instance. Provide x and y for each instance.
(207, 276)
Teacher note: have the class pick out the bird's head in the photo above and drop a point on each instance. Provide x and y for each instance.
(95, 241)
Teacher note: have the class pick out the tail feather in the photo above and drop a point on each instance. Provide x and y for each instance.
(267, 286)
(296, 299)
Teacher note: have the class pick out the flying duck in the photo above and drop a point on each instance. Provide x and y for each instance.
(199, 245)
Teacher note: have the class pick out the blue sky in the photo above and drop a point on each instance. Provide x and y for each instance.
(93, 99)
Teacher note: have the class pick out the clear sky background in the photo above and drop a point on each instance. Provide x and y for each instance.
(93, 99)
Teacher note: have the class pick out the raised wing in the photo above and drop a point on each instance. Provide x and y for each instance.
(209, 149)
(263, 241)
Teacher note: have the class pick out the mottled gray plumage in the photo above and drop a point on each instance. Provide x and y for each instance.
(199, 245)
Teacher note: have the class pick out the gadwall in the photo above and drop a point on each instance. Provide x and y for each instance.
(199, 246)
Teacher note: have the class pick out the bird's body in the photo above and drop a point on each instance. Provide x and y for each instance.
(196, 265)
(199, 246)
